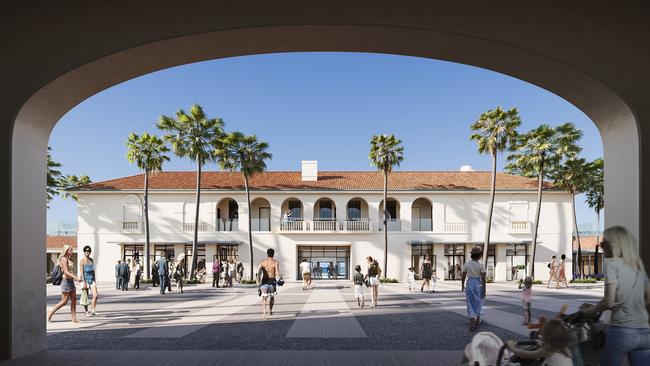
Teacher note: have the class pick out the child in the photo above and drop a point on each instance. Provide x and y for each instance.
(410, 279)
(555, 345)
(434, 279)
(527, 298)
(358, 280)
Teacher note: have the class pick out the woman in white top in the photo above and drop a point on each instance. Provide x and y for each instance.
(627, 293)
(474, 271)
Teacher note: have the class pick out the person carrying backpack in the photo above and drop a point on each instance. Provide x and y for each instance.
(68, 288)
(373, 278)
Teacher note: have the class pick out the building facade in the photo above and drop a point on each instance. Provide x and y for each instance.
(332, 219)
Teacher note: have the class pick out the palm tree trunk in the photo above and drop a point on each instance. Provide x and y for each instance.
(196, 216)
(385, 223)
(250, 231)
(577, 234)
(486, 243)
(540, 181)
(146, 225)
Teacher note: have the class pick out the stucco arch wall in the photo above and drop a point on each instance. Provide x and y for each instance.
(131, 55)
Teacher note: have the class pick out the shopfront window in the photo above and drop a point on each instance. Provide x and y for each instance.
(516, 261)
(455, 257)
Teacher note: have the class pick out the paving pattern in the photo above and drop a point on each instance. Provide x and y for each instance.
(417, 327)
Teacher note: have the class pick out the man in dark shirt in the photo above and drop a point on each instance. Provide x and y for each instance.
(118, 282)
(163, 275)
(123, 272)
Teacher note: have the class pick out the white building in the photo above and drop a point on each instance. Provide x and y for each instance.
(336, 217)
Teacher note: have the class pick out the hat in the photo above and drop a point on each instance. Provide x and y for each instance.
(483, 348)
(476, 250)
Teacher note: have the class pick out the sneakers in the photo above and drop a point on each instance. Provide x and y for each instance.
(93, 313)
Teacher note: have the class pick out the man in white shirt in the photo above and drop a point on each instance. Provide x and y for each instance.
(305, 269)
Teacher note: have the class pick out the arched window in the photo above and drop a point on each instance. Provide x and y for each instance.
(132, 214)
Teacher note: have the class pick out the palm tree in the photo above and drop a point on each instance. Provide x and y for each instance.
(53, 176)
(195, 136)
(148, 153)
(538, 152)
(572, 176)
(495, 130)
(595, 188)
(386, 152)
(246, 154)
(70, 182)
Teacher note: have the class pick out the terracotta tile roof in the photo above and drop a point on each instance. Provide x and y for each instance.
(329, 181)
(58, 241)
(587, 243)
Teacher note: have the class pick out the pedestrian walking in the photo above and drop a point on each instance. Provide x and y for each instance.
(87, 273)
(240, 271)
(216, 273)
(163, 271)
(118, 282)
(124, 276)
(527, 298)
(137, 273)
(514, 271)
(170, 273)
(305, 270)
(359, 283)
(233, 271)
(474, 271)
(552, 271)
(179, 272)
(410, 279)
(68, 289)
(426, 270)
(155, 279)
(561, 272)
(374, 271)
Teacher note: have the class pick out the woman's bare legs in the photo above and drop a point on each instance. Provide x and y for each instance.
(73, 306)
(374, 295)
(94, 303)
(64, 300)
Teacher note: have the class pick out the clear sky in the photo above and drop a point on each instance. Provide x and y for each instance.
(311, 106)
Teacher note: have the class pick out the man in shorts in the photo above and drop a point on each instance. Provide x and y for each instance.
(272, 269)
(306, 274)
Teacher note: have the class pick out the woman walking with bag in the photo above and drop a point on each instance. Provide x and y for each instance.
(627, 293)
(373, 278)
(474, 271)
(68, 289)
(87, 272)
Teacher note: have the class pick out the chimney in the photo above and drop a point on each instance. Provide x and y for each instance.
(309, 170)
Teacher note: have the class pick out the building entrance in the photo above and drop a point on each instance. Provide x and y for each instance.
(326, 262)
(455, 256)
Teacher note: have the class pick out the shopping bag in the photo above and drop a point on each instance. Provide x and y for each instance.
(84, 298)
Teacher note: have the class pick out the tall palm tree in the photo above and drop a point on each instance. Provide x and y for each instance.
(386, 152)
(538, 152)
(73, 181)
(148, 153)
(572, 176)
(238, 152)
(495, 130)
(53, 176)
(193, 135)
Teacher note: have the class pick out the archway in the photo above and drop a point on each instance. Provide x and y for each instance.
(48, 87)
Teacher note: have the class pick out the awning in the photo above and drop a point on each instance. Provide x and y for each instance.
(216, 242)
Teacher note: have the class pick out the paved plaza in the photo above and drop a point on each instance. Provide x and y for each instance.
(321, 326)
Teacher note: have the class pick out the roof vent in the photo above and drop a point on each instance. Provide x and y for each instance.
(310, 170)
(466, 168)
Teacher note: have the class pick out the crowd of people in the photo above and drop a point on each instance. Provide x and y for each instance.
(226, 271)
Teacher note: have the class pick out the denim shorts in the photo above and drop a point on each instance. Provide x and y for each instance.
(67, 285)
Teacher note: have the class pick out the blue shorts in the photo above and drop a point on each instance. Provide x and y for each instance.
(268, 288)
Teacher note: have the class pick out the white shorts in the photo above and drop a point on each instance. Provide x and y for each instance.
(358, 290)
(374, 281)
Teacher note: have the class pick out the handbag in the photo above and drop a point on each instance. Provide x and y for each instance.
(367, 282)
(83, 301)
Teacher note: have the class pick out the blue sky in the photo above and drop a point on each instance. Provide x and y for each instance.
(311, 106)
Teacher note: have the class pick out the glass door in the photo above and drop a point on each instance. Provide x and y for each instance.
(327, 262)
(455, 257)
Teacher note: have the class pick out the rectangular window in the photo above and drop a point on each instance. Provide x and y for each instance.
(133, 251)
(200, 259)
(296, 209)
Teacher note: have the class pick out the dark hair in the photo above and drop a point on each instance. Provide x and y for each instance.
(87, 247)
(563, 256)
(369, 258)
(476, 255)
(270, 252)
(304, 259)
(554, 256)
(357, 268)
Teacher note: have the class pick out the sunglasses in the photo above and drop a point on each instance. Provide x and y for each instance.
(87, 251)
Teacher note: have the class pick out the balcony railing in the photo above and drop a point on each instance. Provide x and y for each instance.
(325, 225)
(421, 225)
(455, 227)
(392, 224)
(227, 225)
(522, 227)
(131, 226)
(188, 227)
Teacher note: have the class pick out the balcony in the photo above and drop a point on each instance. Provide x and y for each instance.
(203, 227)
(519, 227)
(131, 227)
(325, 225)
(421, 225)
(260, 225)
(456, 227)
(392, 224)
(227, 225)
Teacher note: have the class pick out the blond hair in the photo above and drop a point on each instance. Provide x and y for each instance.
(64, 250)
(556, 337)
(624, 246)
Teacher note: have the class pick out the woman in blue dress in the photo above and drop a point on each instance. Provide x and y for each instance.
(87, 267)
(474, 271)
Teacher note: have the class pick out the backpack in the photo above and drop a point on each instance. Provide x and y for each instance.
(57, 275)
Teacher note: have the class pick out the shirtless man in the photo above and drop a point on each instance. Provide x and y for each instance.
(272, 268)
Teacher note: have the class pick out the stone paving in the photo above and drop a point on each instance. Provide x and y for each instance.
(321, 326)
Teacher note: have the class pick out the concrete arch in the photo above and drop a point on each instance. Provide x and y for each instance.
(50, 75)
